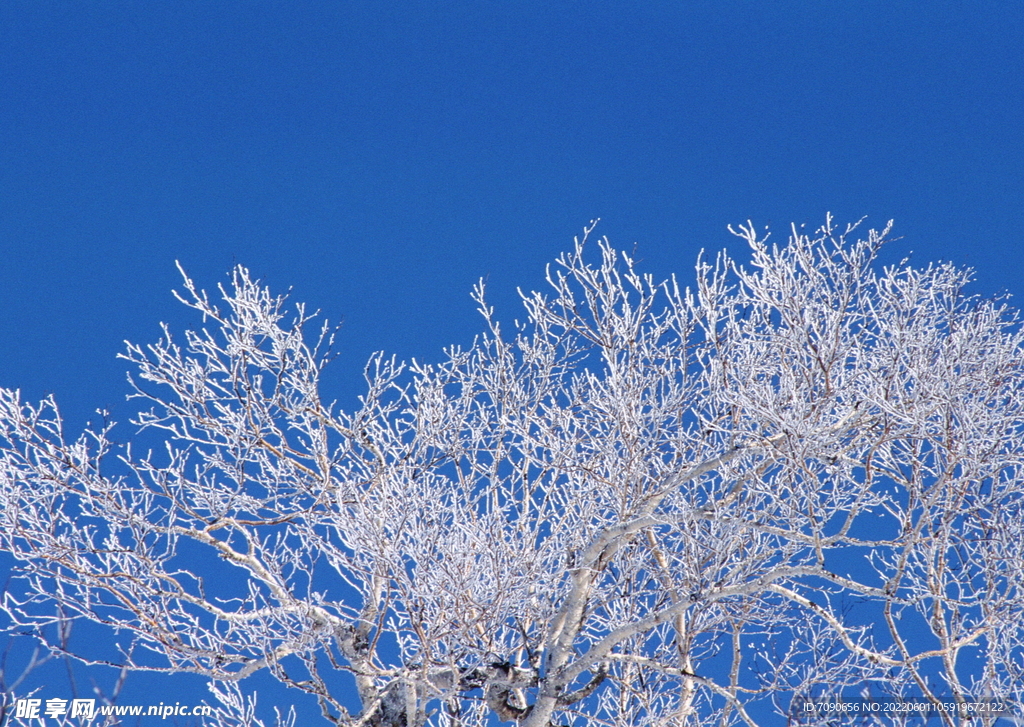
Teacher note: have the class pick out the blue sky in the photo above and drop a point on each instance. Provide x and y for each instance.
(379, 158)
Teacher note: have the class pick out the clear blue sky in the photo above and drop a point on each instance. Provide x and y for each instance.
(381, 157)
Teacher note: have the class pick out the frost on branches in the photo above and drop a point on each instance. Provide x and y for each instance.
(643, 506)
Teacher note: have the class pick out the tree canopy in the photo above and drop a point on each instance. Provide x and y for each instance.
(642, 505)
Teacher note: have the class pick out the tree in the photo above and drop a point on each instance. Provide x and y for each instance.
(641, 506)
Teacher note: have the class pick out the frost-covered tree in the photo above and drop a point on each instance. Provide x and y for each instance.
(643, 505)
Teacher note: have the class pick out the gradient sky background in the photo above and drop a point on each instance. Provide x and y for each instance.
(379, 158)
